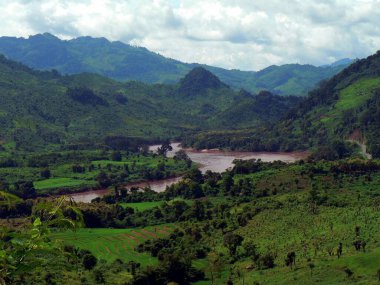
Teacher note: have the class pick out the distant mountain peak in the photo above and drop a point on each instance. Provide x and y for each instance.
(44, 36)
(92, 39)
(244, 93)
(264, 93)
(340, 62)
(123, 62)
(199, 80)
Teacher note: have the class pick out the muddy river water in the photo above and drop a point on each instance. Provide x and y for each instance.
(214, 160)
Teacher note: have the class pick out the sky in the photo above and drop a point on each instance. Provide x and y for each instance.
(234, 34)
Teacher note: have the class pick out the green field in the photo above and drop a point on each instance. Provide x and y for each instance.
(112, 244)
(142, 206)
(357, 93)
(351, 97)
(312, 237)
(62, 182)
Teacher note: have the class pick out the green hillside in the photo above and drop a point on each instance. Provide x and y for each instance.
(41, 108)
(308, 222)
(346, 107)
(124, 62)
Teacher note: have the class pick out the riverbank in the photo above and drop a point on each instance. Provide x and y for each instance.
(213, 160)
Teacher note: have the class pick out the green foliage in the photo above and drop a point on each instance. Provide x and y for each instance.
(197, 81)
(85, 96)
(342, 108)
(21, 252)
(7, 199)
(89, 261)
(301, 222)
(113, 244)
(85, 112)
(232, 241)
(71, 171)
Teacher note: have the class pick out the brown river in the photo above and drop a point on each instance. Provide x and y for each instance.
(214, 160)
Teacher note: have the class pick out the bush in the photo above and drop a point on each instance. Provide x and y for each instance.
(89, 261)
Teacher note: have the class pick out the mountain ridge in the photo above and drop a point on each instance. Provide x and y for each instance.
(125, 62)
(348, 102)
(85, 109)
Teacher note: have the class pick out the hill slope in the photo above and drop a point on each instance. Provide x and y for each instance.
(346, 107)
(39, 108)
(123, 62)
(346, 104)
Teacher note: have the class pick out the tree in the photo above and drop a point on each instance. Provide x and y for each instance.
(181, 155)
(103, 179)
(194, 175)
(89, 261)
(227, 182)
(165, 147)
(215, 265)
(291, 259)
(267, 260)
(116, 156)
(250, 250)
(198, 210)
(45, 173)
(311, 266)
(25, 190)
(348, 272)
(339, 250)
(78, 168)
(232, 241)
(174, 269)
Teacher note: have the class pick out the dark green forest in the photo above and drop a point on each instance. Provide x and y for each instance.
(61, 112)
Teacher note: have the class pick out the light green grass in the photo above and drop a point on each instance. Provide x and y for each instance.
(7, 199)
(61, 182)
(352, 97)
(357, 93)
(142, 206)
(112, 244)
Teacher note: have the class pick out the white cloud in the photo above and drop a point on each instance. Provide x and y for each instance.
(242, 34)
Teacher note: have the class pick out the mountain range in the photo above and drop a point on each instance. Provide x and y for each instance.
(198, 108)
(123, 62)
(43, 108)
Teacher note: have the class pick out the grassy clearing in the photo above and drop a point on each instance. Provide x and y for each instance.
(326, 272)
(62, 182)
(142, 206)
(111, 244)
(351, 97)
(357, 93)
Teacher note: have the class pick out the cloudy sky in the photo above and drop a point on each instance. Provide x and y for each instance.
(242, 34)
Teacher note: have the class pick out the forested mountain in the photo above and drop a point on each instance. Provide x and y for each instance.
(124, 62)
(346, 107)
(40, 108)
(251, 111)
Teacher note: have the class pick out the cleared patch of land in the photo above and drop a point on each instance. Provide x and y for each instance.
(112, 244)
